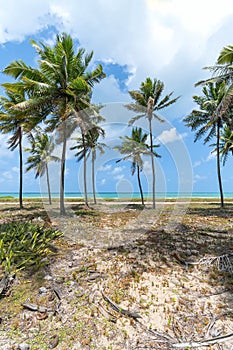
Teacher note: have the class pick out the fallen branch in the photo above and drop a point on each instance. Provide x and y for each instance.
(117, 308)
(106, 313)
(206, 342)
(34, 307)
(211, 324)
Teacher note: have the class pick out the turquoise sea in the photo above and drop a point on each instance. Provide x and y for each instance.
(121, 195)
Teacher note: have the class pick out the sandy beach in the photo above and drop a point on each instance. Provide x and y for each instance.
(175, 275)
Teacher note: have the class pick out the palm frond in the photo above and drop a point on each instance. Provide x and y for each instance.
(134, 119)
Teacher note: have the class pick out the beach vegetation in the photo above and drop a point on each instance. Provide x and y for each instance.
(24, 244)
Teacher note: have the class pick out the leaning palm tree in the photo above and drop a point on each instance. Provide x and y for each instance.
(207, 121)
(133, 148)
(42, 147)
(148, 102)
(15, 123)
(59, 89)
(88, 145)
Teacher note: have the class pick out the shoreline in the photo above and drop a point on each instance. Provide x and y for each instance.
(216, 200)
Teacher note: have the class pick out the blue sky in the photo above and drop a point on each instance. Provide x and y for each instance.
(171, 40)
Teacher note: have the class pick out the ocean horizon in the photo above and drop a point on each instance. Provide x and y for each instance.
(120, 195)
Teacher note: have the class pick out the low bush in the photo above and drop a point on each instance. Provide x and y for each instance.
(23, 244)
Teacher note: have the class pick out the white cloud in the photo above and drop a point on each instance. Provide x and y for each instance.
(211, 156)
(4, 150)
(106, 167)
(15, 169)
(168, 27)
(198, 177)
(103, 182)
(176, 37)
(170, 136)
(119, 177)
(118, 170)
(197, 163)
(175, 40)
(10, 175)
(7, 175)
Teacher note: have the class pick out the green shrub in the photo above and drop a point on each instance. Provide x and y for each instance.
(23, 244)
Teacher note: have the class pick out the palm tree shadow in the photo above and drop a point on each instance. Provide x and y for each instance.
(213, 210)
(177, 247)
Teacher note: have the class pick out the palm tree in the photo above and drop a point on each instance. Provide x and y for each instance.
(16, 123)
(226, 146)
(133, 147)
(86, 145)
(95, 146)
(207, 121)
(222, 71)
(148, 101)
(60, 88)
(42, 147)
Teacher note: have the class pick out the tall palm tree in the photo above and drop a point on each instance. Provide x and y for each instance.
(207, 121)
(42, 147)
(15, 123)
(222, 71)
(88, 145)
(95, 146)
(226, 144)
(148, 102)
(133, 148)
(60, 88)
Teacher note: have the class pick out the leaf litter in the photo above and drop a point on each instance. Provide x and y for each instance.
(115, 286)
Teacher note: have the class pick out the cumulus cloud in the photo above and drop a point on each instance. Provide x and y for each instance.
(168, 28)
(171, 135)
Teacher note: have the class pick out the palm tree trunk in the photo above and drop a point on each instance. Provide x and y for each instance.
(218, 163)
(20, 170)
(85, 171)
(140, 185)
(62, 179)
(152, 163)
(93, 175)
(48, 183)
